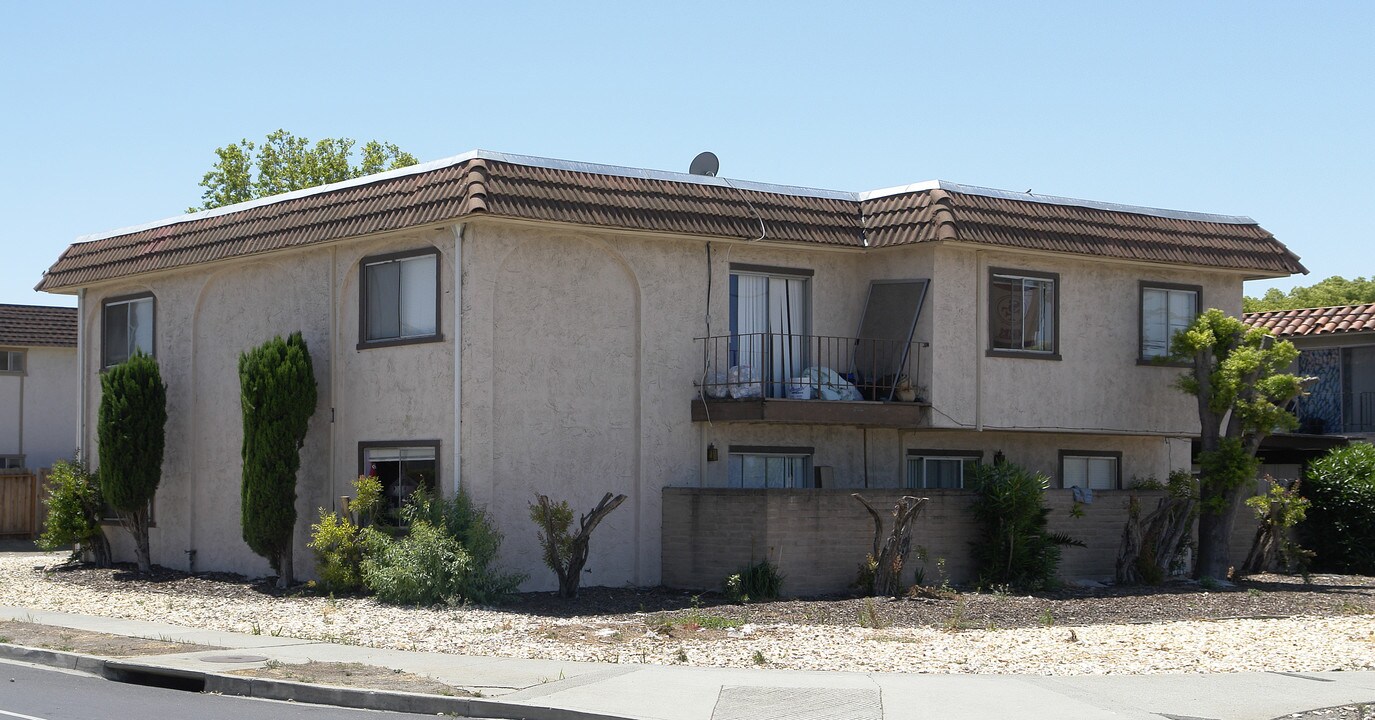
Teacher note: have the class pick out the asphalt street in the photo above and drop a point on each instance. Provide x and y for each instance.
(33, 693)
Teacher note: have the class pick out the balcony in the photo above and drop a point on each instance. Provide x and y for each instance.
(811, 379)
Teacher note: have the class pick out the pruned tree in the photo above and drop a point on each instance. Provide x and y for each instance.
(283, 162)
(1278, 510)
(566, 553)
(131, 432)
(891, 550)
(1150, 545)
(278, 395)
(1240, 381)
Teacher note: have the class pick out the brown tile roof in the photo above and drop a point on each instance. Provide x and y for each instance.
(1315, 321)
(537, 189)
(37, 325)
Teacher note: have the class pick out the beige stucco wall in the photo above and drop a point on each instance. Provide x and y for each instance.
(205, 318)
(38, 408)
(1097, 385)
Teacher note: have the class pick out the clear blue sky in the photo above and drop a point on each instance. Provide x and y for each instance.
(112, 112)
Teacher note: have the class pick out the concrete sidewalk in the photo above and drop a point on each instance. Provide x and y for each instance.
(556, 690)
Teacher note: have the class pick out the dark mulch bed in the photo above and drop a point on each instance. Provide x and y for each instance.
(1258, 596)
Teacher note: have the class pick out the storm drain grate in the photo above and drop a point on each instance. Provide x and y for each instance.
(795, 703)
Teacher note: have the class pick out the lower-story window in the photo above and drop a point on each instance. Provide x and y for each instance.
(941, 468)
(770, 467)
(11, 462)
(402, 467)
(1088, 469)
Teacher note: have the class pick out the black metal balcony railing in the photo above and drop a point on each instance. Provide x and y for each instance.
(784, 365)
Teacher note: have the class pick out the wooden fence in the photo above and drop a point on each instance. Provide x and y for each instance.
(21, 502)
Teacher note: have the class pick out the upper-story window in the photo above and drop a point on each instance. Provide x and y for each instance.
(770, 317)
(399, 298)
(12, 362)
(1023, 313)
(1165, 310)
(127, 327)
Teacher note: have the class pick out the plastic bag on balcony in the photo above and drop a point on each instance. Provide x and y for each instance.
(716, 385)
(801, 388)
(830, 385)
(743, 381)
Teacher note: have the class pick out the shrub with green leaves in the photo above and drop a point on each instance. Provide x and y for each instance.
(1340, 525)
(1013, 547)
(760, 581)
(447, 555)
(74, 503)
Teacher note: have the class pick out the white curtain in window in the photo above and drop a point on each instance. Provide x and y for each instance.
(418, 293)
(1098, 473)
(1154, 328)
(769, 471)
(751, 320)
(141, 326)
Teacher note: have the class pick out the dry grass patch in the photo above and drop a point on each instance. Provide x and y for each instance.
(354, 675)
(51, 637)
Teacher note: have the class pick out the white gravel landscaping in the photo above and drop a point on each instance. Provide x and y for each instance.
(1297, 644)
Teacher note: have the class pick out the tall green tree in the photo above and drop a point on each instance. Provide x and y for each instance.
(131, 431)
(1240, 381)
(277, 393)
(1332, 291)
(283, 162)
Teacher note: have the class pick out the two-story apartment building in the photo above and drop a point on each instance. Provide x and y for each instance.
(37, 399)
(510, 325)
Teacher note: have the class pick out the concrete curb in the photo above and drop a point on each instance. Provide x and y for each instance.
(119, 670)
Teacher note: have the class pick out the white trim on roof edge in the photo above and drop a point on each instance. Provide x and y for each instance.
(667, 176)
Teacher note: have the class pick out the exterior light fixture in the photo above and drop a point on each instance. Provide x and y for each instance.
(711, 452)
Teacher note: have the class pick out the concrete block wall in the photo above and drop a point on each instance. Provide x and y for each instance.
(819, 537)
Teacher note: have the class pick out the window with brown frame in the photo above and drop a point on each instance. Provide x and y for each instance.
(399, 299)
(1023, 313)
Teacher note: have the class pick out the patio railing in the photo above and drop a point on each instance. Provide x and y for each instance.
(802, 367)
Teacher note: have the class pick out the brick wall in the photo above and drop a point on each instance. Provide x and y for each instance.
(818, 537)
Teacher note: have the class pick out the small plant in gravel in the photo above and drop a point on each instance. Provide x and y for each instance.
(681, 655)
(1047, 618)
(869, 616)
(1210, 584)
(759, 658)
(957, 621)
(760, 581)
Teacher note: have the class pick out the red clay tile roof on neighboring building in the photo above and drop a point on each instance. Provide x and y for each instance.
(499, 185)
(1315, 321)
(37, 326)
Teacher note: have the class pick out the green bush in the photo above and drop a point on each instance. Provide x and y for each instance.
(759, 581)
(1340, 527)
(447, 555)
(131, 435)
(1014, 547)
(74, 504)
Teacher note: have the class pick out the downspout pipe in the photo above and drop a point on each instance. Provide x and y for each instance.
(980, 335)
(457, 231)
(85, 376)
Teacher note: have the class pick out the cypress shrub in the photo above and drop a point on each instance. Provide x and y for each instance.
(278, 395)
(130, 430)
(1340, 527)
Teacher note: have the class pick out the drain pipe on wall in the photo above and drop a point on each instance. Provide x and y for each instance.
(333, 463)
(82, 383)
(457, 231)
(980, 332)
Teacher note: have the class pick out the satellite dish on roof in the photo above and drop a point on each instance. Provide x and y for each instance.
(705, 164)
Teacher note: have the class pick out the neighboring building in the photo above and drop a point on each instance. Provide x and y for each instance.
(1337, 347)
(513, 325)
(38, 394)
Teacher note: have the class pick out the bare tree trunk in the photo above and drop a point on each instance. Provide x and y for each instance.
(98, 547)
(1153, 542)
(285, 574)
(890, 552)
(1264, 551)
(137, 524)
(1214, 532)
